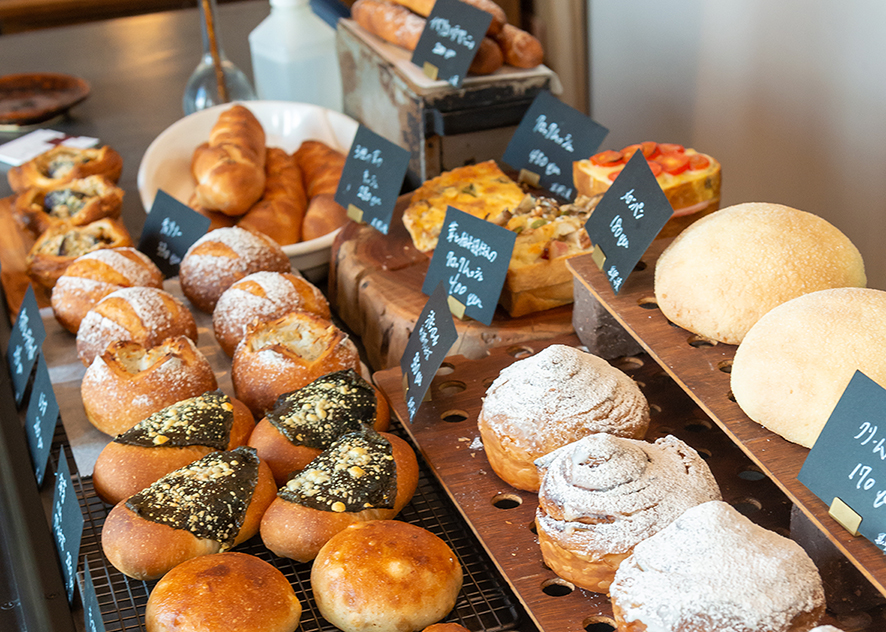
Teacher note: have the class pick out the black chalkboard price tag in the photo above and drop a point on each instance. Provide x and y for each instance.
(371, 179)
(846, 468)
(471, 259)
(170, 229)
(67, 523)
(41, 418)
(428, 345)
(25, 342)
(92, 614)
(628, 217)
(550, 137)
(450, 40)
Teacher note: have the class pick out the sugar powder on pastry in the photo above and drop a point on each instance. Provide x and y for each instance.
(552, 398)
(722, 273)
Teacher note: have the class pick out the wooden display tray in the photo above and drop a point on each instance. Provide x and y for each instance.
(702, 370)
(445, 431)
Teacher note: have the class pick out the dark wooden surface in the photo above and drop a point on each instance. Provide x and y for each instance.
(446, 425)
(699, 370)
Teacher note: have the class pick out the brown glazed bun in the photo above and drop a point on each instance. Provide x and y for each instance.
(62, 164)
(286, 354)
(217, 260)
(385, 576)
(305, 422)
(146, 315)
(713, 570)
(362, 476)
(95, 275)
(550, 399)
(232, 591)
(324, 215)
(63, 243)
(721, 274)
(168, 440)
(208, 506)
(230, 167)
(79, 202)
(321, 167)
(263, 296)
(129, 381)
(281, 209)
(601, 495)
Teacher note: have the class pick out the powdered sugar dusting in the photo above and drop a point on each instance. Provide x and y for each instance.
(713, 569)
(605, 494)
(135, 272)
(247, 252)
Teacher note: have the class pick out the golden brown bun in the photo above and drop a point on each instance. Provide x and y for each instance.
(146, 315)
(58, 247)
(321, 167)
(78, 202)
(389, 21)
(298, 532)
(233, 592)
(122, 470)
(217, 260)
(93, 276)
(230, 168)
(725, 271)
(144, 549)
(792, 367)
(550, 399)
(62, 164)
(281, 209)
(488, 59)
(446, 627)
(130, 381)
(324, 216)
(499, 18)
(262, 296)
(286, 354)
(385, 576)
(520, 49)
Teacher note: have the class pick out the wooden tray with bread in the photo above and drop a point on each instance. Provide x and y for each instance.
(445, 431)
(702, 369)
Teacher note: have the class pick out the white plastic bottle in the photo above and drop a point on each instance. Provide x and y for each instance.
(294, 56)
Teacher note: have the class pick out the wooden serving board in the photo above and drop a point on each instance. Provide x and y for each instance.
(14, 246)
(702, 370)
(375, 287)
(445, 431)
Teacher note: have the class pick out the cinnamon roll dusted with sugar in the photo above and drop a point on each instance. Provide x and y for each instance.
(602, 495)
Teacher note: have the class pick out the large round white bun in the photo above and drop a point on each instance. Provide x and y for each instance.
(722, 273)
(794, 364)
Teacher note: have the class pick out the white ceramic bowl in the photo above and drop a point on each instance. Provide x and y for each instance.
(167, 162)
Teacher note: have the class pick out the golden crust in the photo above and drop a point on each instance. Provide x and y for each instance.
(62, 164)
(79, 202)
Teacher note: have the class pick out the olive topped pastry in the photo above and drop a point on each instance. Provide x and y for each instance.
(63, 164)
(78, 202)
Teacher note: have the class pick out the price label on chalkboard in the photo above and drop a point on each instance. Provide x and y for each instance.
(450, 40)
(631, 213)
(471, 259)
(371, 179)
(846, 468)
(67, 523)
(41, 418)
(550, 137)
(25, 342)
(92, 614)
(426, 348)
(170, 229)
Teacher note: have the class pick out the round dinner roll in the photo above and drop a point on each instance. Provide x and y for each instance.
(550, 399)
(147, 315)
(385, 576)
(234, 592)
(721, 274)
(263, 296)
(794, 364)
(222, 257)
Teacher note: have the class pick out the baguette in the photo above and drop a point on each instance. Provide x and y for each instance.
(230, 168)
(499, 18)
(209, 506)
(281, 209)
(520, 48)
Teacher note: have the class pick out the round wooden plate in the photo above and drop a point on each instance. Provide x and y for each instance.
(32, 98)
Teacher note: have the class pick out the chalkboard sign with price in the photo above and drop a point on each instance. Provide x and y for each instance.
(170, 229)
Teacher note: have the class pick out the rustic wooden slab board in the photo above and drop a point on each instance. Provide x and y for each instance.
(445, 430)
(14, 247)
(702, 371)
(375, 287)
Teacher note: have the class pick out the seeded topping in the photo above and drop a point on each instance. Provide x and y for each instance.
(204, 420)
(209, 497)
(357, 472)
(317, 414)
(64, 203)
